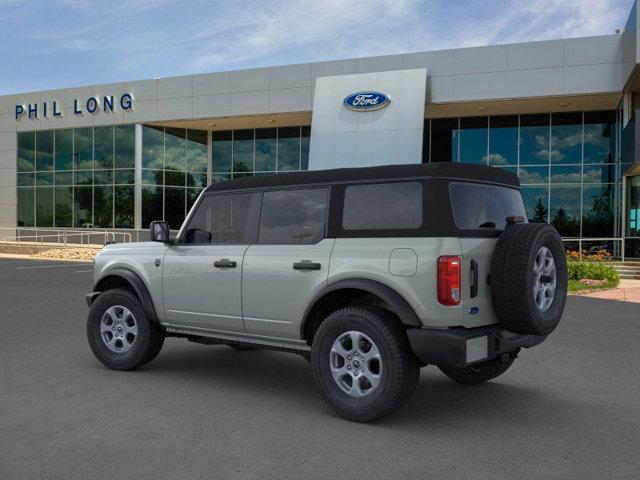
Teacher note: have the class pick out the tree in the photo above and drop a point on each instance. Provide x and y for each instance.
(565, 224)
(540, 212)
(560, 216)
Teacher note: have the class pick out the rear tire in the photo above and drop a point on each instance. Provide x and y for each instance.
(363, 364)
(480, 372)
(120, 334)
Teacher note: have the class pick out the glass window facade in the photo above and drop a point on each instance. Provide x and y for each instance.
(503, 141)
(175, 163)
(85, 177)
(174, 172)
(80, 177)
(261, 151)
(568, 163)
(473, 140)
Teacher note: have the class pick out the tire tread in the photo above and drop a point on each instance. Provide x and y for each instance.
(511, 279)
(145, 352)
(406, 367)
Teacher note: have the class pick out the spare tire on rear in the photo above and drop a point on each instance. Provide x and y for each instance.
(529, 278)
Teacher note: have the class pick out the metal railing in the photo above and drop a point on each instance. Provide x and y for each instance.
(82, 238)
(581, 241)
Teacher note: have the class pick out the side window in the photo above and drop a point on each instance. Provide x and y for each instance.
(383, 206)
(293, 216)
(223, 219)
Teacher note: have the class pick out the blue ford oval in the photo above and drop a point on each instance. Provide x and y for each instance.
(366, 101)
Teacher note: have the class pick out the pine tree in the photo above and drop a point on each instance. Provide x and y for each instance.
(540, 212)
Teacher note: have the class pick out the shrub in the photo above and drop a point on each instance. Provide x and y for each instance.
(594, 271)
(601, 255)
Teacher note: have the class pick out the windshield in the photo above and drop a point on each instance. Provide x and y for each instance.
(477, 206)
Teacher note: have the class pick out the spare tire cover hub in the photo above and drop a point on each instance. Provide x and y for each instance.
(544, 279)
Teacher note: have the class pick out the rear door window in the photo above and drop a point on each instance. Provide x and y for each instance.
(383, 206)
(293, 216)
(477, 206)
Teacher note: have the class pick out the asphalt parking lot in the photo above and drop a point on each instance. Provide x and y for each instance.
(568, 409)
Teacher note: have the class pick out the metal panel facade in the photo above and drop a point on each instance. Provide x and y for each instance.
(341, 137)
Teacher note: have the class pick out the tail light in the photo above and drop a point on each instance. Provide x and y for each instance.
(449, 268)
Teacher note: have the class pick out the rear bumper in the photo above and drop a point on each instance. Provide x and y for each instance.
(459, 347)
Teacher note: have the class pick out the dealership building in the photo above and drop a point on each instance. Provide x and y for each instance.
(560, 114)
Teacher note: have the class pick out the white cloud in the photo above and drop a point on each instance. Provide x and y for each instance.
(328, 29)
(495, 159)
(550, 19)
(144, 38)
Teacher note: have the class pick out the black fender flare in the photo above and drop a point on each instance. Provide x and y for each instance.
(396, 302)
(136, 283)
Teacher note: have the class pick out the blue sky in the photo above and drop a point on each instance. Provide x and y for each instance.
(47, 44)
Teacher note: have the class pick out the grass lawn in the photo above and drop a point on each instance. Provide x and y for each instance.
(576, 287)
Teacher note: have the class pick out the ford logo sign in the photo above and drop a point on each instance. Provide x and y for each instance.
(366, 101)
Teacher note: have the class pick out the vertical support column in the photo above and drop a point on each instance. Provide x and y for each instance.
(209, 157)
(623, 227)
(626, 108)
(137, 189)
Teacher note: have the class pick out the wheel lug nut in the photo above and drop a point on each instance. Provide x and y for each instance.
(348, 367)
(363, 369)
(348, 357)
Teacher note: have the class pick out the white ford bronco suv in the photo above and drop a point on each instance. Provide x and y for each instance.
(370, 273)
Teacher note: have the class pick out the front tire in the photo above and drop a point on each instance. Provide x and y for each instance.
(120, 334)
(363, 364)
(480, 372)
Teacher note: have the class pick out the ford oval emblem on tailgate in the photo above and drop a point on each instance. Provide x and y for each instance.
(366, 101)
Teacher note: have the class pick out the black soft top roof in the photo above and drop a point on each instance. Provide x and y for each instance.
(460, 171)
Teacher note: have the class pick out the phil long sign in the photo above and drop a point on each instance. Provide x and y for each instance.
(91, 105)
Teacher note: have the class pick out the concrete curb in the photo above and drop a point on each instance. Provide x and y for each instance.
(620, 294)
(37, 259)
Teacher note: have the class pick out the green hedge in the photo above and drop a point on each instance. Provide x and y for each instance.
(593, 271)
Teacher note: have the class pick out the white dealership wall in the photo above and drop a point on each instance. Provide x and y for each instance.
(390, 135)
(577, 66)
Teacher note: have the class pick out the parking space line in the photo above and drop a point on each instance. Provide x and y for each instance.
(52, 266)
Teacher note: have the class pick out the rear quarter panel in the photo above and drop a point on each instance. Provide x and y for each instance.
(480, 250)
(369, 258)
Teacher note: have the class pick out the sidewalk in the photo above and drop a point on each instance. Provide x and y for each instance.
(627, 291)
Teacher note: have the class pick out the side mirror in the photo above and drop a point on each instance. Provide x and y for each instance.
(159, 231)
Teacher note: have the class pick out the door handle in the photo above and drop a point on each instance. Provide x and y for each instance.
(306, 265)
(474, 279)
(224, 263)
